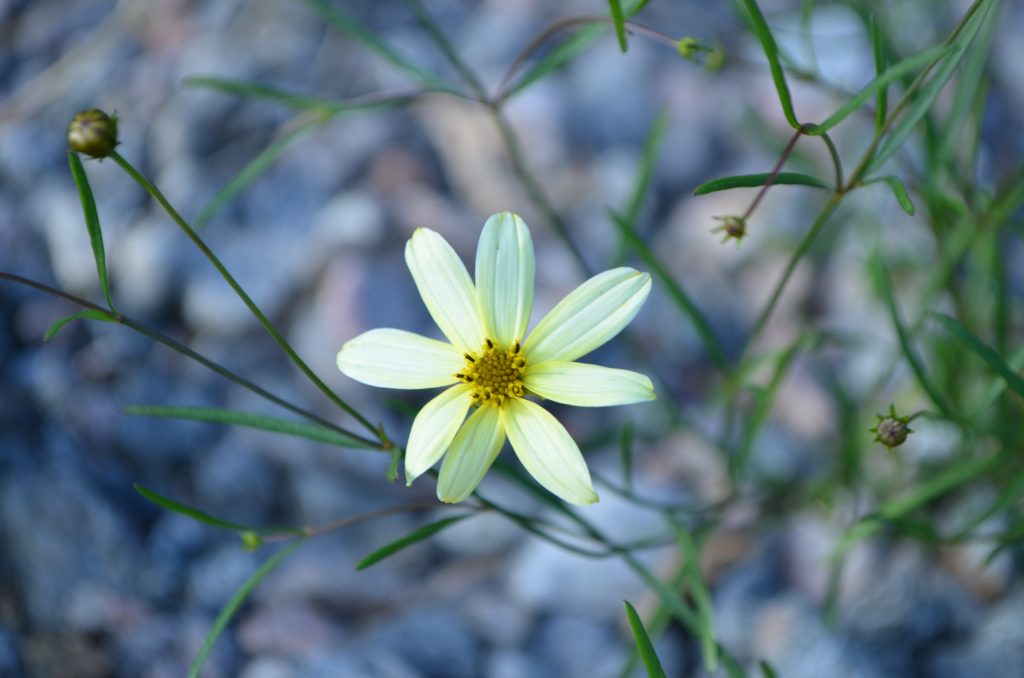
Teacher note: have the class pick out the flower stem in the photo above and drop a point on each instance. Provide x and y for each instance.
(263, 320)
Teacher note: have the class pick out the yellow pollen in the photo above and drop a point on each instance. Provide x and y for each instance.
(495, 374)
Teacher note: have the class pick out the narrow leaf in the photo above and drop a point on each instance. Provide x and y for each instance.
(645, 172)
(675, 290)
(878, 48)
(346, 24)
(771, 52)
(755, 180)
(701, 596)
(920, 106)
(297, 101)
(92, 223)
(193, 513)
(983, 350)
(250, 420)
(619, 19)
(899, 191)
(643, 644)
(419, 535)
(879, 85)
(89, 314)
(881, 279)
(231, 607)
(767, 671)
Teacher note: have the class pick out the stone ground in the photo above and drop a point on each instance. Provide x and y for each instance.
(96, 581)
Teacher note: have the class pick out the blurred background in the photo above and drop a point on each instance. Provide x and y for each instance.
(97, 581)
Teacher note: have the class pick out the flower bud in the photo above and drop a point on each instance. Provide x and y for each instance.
(733, 227)
(93, 133)
(892, 430)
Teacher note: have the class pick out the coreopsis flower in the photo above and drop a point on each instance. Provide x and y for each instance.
(492, 368)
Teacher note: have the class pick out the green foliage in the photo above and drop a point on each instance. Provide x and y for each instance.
(643, 643)
(415, 537)
(761, 179)
(92, 224)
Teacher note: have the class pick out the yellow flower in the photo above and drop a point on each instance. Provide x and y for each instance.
(490, 365)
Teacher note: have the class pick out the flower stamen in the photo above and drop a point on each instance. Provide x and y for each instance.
(494, 373)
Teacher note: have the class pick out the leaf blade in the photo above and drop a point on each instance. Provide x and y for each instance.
(248, 420)
(899, 191)
(408, 540)
(771, 52)
(89, 314)
(92, 224)
(619, 20)
(983, 350)
(760, 179)
(643, 643)
(234, 603)
(190, 512)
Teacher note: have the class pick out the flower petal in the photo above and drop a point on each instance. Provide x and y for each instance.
(399, 359)
(589, 316)
(504, 277)
(587, 385)
(433, 430)
(547, 451)
(470, 455)
(446, 289)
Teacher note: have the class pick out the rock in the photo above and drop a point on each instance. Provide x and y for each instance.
(578, 647)
(268, 667)
(435, 641)
(213, 579)
(994, 649)
(290, 630)
(513, 664)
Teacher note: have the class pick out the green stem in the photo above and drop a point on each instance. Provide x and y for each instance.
(156, 336)
(428, 23)
(263, 320)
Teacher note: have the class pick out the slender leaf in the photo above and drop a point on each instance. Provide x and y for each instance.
(983, 350)
(767, 671)
(923, 102)
(346, 24)
(998, 385)
(899, 191)
(250, 420)
(643, 643)
(1013, 491)
(675, 290)
(92, 224)
(771, 52)
(626, 454)
(878, 86)
(755, 180)
(878, 48)
(565, 51)
(619, 19)
(645, 172)
(415, 537)
(89, 314)
(881, 278)
(231, 607)
(193, 513)
(700, 594)
(931, 489)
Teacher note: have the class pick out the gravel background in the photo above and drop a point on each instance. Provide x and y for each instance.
(96, 581)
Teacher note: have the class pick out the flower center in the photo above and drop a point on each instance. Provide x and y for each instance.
(495, 374)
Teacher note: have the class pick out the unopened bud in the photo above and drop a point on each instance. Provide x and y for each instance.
(93, 133)
(892, 430)
(732, 227)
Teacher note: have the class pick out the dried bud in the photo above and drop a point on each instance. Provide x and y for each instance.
(892, 430)
(93, 133)
(733, 227)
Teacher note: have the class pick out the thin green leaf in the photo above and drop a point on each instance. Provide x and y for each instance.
(899, 191)
(645, 171)
(675, 290)
(415, 537)
(771, 52)
(917, 110)
(619, 19)
(643, 643)
(346, 24)
(700, 594)
(878, 86)
(998, 385)
(1013, 491)
(92, 224)
(983, 350)
(250, 420)
(933, 488)
(767, 670)
(881, 279)
(565, 51)
(193, 513)
(231, 607)
(89, 314)
(878, 48)
(755, 180)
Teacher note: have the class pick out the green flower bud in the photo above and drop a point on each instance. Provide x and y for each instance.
(892, 430)
(688, 47)
(732, 227)
(93, 133)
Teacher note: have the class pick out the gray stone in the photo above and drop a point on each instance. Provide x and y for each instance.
(435, 641)
(578, 647)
